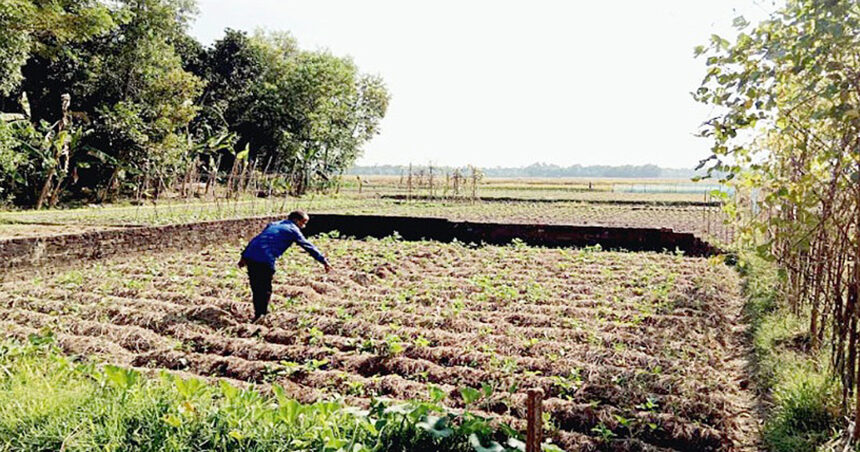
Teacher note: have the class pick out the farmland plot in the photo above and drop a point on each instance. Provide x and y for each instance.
(705, 222)
(632, 350)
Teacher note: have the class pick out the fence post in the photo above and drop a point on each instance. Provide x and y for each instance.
(534, 430)
(409, 185)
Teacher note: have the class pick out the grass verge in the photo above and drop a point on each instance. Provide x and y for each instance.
(805, 397)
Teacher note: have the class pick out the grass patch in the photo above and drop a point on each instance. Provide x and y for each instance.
(806, 411)
(806, 397)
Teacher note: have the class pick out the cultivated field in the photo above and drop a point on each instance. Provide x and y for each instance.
(704, 221)
(633, 350)
(560, 188)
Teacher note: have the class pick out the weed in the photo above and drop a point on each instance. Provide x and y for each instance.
(604, 433)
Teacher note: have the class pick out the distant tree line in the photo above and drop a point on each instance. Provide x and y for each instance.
(542, 170)
(102, 98)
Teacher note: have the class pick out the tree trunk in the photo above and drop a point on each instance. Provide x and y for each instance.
(856, 289)
(46, 189)
(48, 193)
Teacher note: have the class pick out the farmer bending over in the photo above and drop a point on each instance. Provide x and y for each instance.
(262, 251)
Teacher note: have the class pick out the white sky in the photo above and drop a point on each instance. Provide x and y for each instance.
(510, 83)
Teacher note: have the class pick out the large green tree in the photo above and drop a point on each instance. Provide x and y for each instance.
(299, 112)
(29, 148)
(129, 87)
(44, 27)
(231, 68)
(147, 101)
(328, 111)
(141, 94)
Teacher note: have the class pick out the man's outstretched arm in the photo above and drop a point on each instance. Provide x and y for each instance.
(312, 250)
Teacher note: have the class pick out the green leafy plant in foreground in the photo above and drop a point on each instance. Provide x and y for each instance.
(52, 402)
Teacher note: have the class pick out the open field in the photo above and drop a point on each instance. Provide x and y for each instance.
(705, 222)
(633, 350)
(564, 189)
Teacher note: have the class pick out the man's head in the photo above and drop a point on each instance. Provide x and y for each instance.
(299, 217)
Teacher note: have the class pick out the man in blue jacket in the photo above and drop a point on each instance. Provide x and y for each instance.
(262, 251)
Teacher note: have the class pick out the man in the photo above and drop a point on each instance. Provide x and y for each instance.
(262, 251)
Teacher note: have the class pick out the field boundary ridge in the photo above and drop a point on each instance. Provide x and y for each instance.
(26, 252)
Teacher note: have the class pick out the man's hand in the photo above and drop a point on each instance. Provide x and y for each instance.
(242, 262)
(327, 267)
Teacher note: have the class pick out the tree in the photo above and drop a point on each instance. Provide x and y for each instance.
(45, 30)
(129, 85)
(789, 94)
(304, 113)
(149, 101)
(332, 112)
(145, 99)
(230, 69)
(43, 27)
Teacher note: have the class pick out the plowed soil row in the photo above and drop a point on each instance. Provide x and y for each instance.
(634, 351)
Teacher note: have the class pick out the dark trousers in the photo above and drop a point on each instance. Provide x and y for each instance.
(261, 286)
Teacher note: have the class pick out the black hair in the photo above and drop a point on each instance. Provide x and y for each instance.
(297, 215)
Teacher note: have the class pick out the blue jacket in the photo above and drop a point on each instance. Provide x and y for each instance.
(270, 244)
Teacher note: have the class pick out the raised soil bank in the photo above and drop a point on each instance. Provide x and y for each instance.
(35, 251)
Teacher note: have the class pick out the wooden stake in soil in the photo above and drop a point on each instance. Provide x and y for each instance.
(534, 431)
(409, 185)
